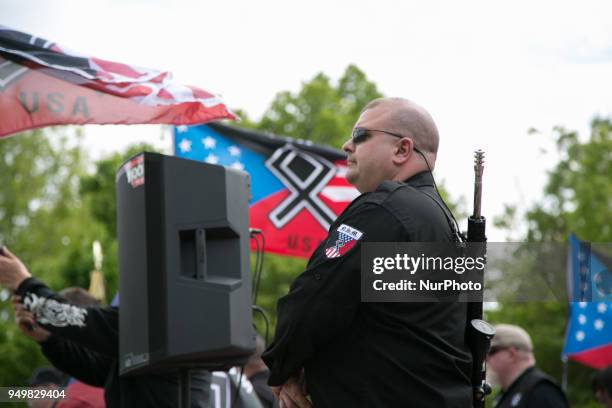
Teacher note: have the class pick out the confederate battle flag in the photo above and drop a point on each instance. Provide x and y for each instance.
(43, 84)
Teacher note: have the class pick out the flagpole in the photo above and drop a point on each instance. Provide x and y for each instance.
(565, 373)
(166, 132)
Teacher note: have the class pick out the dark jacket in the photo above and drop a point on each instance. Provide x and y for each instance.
(532, 389)
(85, 344)
(373, 354)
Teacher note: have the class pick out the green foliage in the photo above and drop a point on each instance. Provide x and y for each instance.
(41, 219)
(576, 199)
(20, 355)
(243, 120)
(577, 196)
(278, 273)
(320, 111)
(51, 212)
(42, 215)
(546, 333)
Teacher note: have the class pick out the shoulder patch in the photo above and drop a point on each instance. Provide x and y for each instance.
(341, 241)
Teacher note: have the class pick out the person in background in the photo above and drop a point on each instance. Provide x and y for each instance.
(84, 343)
(78, 394)
(257, 373)
(512, 364)
(602, 386)
(47, 378)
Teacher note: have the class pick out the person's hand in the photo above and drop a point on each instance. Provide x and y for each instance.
(276, 390)
(26, 322)
(12, 270)
(291, 394)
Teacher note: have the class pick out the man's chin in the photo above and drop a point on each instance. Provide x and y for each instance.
(493, 378)
(351, 176)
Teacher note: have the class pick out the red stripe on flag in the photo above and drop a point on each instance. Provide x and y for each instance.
(160, 78)
(200, 93)
(116, 68)
(135, 91)
(599, 357)
(164, 94)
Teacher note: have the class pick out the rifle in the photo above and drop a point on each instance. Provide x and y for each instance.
(479, 333)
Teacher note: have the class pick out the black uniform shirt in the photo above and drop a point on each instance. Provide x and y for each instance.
(532, 389)
(373, 354)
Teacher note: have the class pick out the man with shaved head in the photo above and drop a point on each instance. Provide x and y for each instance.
(375, 354)
(408, 126)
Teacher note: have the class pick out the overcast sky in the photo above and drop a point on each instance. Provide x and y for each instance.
(487, 71)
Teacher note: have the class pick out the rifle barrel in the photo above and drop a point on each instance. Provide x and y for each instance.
(478, 170)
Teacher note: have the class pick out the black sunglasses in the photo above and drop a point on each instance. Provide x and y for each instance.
(362, 134)
(495, 350)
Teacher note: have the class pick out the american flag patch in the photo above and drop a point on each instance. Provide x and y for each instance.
(342, 240)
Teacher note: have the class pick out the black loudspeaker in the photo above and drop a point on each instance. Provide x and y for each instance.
(184, 275)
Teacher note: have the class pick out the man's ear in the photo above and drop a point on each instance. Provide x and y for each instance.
(515, 353)
(403, 150)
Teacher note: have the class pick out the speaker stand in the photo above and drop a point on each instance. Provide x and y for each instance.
(184, 388)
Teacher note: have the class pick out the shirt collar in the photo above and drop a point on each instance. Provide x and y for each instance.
(520, 378)
(424, 178)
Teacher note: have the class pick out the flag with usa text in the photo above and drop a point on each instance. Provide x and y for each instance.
(298, 188)
(589, 331)
(43, 84)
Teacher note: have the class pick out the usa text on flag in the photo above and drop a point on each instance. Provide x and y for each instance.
(298, 188)
(42, 84)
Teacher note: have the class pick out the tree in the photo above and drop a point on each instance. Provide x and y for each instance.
(40, 218)
(51, 212)
(576, 199)
(577, 196)
(320, 111)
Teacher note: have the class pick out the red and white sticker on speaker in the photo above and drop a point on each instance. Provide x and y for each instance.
(134, 170)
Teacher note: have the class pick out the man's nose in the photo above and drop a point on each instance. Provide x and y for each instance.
(348, 146)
